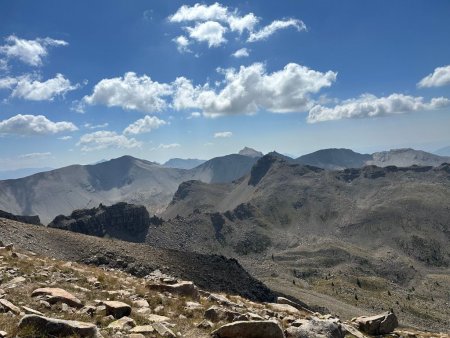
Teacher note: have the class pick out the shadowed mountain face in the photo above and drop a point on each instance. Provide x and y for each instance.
(334, 159)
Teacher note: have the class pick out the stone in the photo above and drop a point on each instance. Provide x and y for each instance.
(379, 324)
(318, 328)
(184, 288)
(58, 327)
(286, 308)
(152, 318)
(163, 330)
(122, 324)
(8, 306)
(31, 311)
(301, 307)
(145, 329)
(135, 335)
(58, 295)
(216, 314)
(222, 300)
(205, 324)
(117, 309)
(3, 334)
(141, 303)
(245, 329)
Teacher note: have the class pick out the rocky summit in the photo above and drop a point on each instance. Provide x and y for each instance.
(56, 298)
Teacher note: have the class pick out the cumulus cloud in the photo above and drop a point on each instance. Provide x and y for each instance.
(368, 105)
(223, 134)
(30, 52)
(27, 88)
(209, 31)
(34, 125)
(144, 125)
(212, 22)
(96, 126)
(251, 88)
(182, 44)
(276, 25)
(130, 92)
(440, 77)
(241, 53)
(106, 139)
(34, 156)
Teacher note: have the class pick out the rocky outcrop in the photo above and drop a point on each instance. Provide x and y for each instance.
(57, 295)
(122, 220)
(379, 324)
(19, 218)
(183, 288)
(250, 152)
(317, 328)
(117, 309)
(255, 329)
(58, 327)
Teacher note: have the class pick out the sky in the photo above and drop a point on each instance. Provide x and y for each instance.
(82, 81)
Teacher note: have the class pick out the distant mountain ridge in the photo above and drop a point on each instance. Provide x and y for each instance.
(246, 151)
(183, 163)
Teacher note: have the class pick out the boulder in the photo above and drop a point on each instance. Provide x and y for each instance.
(301, 307)
(117, 309)
(157, 318)
(286, 308)
(145, 329)
(184, 288)
(163, 330)
(216, 314)
(56, 295)
(58, 327)
(122, 324)
(243, 329)
(379, 324)
(317, 328)
(6, 306)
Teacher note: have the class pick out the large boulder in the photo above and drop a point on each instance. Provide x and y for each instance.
(383, 323)
(57, 295)
(244, 329)
(316, 328)
(58, 327)
(117, 309)
(6, 306)
(183, 288)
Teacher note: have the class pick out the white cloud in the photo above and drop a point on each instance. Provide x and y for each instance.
(39, 156)
(106, 139)
(130, 92)
(168, 146)
(65, 138)
(182, 44)
(96, 126)
(32, 89)
(3, 64)
(241, 53)
(368, 105)
(34, 125)
(144, 125)
(200, 12)
(241, 23)
(251, 89)
(194, 115)
(30, 52)
(440, 77)
(8, 82)
(209, 31)
(276, 25)
(223, 134)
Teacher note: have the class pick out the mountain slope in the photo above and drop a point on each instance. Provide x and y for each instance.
(246, 151)
(406, 157)
(18, 173)
(334, 159)
(181, 163)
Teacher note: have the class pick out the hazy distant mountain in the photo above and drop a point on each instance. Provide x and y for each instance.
(443, 151)
(18, 173)
(183, 163)
(334, 159)
(223, 169)
(246, 151)
(406, 157)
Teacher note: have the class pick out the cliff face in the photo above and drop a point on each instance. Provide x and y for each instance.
(122, 220)
(23, 219)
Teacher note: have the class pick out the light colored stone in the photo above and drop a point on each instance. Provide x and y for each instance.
(317, 328)
(163, 330)
(152, 318)
(282, 300)
(8, 306)
(184, 288)
(141, 303)
(216, 314)
(56, 295)
(286, 308)
(142, 329)
(122, 324)
(58, 327)
(379, 324)
(31, 311)
(244, 329)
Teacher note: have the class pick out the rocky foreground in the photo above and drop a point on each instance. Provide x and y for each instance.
(45, 297)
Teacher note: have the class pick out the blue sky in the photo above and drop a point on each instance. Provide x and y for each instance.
(83, 81)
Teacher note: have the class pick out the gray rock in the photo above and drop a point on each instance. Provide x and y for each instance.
(256, 329)
(117, 309)
(316, 328)
(58, 327)
(184, 288)
(379, 324)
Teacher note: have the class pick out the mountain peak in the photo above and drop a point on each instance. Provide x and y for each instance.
(246, 151)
